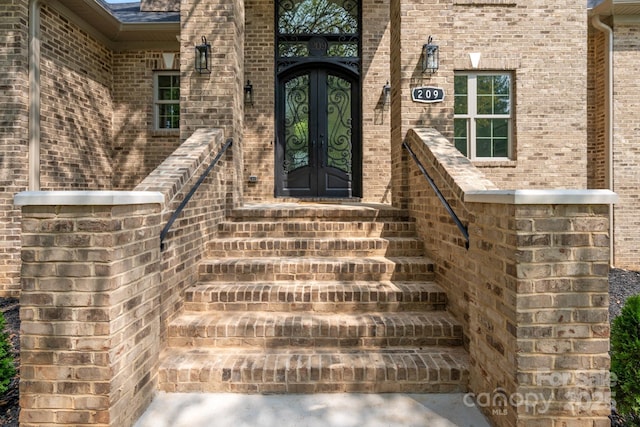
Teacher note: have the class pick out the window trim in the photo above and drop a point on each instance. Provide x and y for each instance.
(472, 115)
(157, 102)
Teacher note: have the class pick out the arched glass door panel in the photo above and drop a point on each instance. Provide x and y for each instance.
(296, 123)
(317, 145)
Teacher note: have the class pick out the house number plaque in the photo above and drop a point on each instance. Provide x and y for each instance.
(427, 94)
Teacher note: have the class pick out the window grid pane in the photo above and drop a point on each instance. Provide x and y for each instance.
(169, 116)
(492, 138)
(461, 95)
(482, 115)
(460, 139)
(167, 95)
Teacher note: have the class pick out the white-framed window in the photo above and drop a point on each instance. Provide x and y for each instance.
(166, 100)
(483, 115)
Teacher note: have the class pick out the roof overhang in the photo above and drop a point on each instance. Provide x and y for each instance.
(123, 27)
(628, 8)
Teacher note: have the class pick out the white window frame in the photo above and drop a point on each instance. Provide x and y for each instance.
(472, 116)
(157, 102)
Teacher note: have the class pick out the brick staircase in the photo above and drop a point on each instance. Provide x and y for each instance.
(304, 298)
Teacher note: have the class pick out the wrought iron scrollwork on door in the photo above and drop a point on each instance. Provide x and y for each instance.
(339, 146)
(296, 123)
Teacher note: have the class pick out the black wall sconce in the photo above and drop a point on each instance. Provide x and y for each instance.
(430, 57)
(203, 57)
(386, 95)
(248, 93)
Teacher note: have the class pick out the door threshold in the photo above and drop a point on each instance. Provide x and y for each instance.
(329, 201)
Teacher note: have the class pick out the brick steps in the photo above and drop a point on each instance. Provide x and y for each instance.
(315, 247)
(316, 268)
(279, 330)
(310, 296)
(283, 212)
(317, 229)
(314, 297)
(300, 370)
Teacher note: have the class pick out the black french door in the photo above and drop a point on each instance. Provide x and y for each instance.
(318, 129)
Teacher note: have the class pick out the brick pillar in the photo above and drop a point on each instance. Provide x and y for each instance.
(14, 136)
(531, 291)
(538, 313)
(411, 25)
(214, 100)
(89, 307)
(562, 314)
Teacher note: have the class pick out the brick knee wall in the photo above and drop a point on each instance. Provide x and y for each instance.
(531, 291)
(90, 308)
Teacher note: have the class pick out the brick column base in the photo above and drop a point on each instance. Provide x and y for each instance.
(89, 308)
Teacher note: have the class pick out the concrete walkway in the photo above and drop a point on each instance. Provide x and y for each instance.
(311, 410)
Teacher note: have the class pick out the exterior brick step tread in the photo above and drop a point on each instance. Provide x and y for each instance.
(336, 296)
(275, 370)
(316, 268)
(318, 211)
(265, 228)
(340, 261)
(319, 246)
(281, 329)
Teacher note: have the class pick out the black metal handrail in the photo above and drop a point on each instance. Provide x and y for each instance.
(184, 202)
(447, 206)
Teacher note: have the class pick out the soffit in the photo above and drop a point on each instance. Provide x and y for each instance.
(618, 8)
(626, 7)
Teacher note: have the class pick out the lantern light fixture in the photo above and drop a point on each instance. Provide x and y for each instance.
(203, 57)
(248, 93)
(386, 95)
(430, 57)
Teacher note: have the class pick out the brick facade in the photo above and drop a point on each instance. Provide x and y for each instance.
(76, 85)
(214, 100)
(544, 132)
(259, 130)
(626, 155)
(549, 70)
(96, 122)
(596, 115)
(14, 137)
(532, 290)
(97, 127)
(90, 321)
(613, 146)
(186, 239)
(95, 319)
(137, 147)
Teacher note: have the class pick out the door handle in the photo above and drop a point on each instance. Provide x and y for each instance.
(321, 151)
